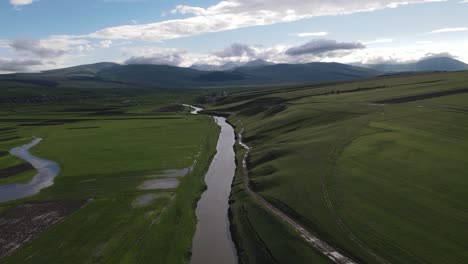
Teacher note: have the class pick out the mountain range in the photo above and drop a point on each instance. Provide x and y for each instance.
(258, 72)
(430, 64)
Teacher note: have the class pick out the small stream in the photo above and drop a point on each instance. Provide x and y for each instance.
(212, 242)
(46, 172)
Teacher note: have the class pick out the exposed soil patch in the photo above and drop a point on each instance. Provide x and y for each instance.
(13, 170)
(422, 96)
(25, 222)
(160, 184)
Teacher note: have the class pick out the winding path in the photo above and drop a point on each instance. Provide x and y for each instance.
(327, 250)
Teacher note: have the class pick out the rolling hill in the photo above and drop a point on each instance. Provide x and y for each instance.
(257, 72)
(162, 76)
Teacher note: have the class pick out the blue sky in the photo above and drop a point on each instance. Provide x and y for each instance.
(46, 34)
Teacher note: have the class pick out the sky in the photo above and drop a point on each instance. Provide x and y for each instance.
(39, 35)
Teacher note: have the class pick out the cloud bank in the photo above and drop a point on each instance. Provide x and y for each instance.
(447, 30)
(234, 14)
(18, 3)
(11, 65)
(323, 47)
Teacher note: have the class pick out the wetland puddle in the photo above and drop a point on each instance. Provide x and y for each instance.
(46, 172)
(213, 242)
(159, 184)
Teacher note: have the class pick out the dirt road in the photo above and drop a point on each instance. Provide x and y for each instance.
(333, 254)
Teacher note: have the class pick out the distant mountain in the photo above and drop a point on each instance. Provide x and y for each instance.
(230, 65)
(441, 64)
(257, 63)
(111, 75)
(150, 75)
(301, 73)
(82, 70)
(209, 67)
(430, 64)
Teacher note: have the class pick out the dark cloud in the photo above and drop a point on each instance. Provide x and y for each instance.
(236, 50)
(173, 59)
(17, 65)
(33, 47)
(324, 47)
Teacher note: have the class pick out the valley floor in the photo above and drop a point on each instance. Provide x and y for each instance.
(374, 168)
(120, 165)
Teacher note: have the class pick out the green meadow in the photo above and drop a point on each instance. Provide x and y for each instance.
(106, 149)
(376, 168)
(385, 183)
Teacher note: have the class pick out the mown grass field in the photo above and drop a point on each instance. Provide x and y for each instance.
(106, 148)
(384, 183)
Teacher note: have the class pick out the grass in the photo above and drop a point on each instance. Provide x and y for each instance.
(106, 157)
(378, 182)
(23, 177)
(260, 237)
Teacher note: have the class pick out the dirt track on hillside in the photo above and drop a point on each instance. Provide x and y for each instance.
(332, 253)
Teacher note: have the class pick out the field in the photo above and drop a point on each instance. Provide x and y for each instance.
(376, 168)
(107, 147)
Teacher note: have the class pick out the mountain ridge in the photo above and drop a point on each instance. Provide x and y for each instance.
(257, 72)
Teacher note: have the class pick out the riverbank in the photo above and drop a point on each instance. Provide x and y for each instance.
(259, 235)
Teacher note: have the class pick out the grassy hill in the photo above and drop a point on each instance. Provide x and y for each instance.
(385, 183)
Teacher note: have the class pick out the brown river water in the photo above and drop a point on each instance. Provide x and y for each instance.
(212, 242)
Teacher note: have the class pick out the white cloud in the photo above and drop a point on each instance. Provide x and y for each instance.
(4, 43)
(424, 42)
(406, 53)
(34, 48)
(105, 43)
(18, 3)
(378, 41)
(279, 53)
(311, 34)
(447, 30)
(464, 2)
(42, 54)
(234, 14)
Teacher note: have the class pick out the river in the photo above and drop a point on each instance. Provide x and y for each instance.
(212, 242)
(46, 172)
